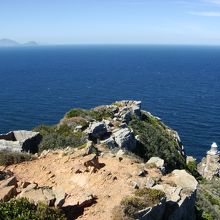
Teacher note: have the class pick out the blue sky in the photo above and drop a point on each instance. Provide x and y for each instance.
(111, 21)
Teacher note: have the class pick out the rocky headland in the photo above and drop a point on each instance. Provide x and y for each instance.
(112, 162)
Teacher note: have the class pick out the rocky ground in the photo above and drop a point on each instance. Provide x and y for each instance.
(114, 151)
(89, 186)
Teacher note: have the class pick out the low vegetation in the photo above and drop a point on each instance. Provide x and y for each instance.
(192, 169)
(208, 200)
(9, 157)
(141, 199)
(55, 137)
(22, 209)
(154, 140)
(97, 114)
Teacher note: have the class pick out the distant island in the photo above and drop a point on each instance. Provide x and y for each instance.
(11, 43)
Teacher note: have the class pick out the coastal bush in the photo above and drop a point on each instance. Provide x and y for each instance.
(59, 137)
(208, 200)
(77, 112)
(97, 114)
(150, 196)
(22, 209)
(8, 157)
(192, 169)
(74, 122)
(131, 204)
(155, 140)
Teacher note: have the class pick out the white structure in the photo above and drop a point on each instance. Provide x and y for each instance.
(213, 150)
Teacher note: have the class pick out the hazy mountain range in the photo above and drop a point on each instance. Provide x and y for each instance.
(12, 43)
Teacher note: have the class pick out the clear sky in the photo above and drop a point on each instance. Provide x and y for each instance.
(111, 21)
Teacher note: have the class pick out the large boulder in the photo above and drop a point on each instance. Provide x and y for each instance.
(110, 142)
(124, 138)
(20, 141)
(97, 130)
(34, 195)
(180, 189)
(127, 108)
(7, 193)
(158, 162)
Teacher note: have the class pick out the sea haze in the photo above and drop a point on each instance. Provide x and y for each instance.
(179, 84)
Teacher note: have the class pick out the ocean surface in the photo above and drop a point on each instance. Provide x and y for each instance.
(179, 84)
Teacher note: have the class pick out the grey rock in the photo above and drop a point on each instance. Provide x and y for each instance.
(50, 197)
(136, 110)
(120, 153)
(126, 116)
(20, 141)
(78, 128)
(30, 187)
(125, 139)
(157, 161)
(60, 196)
(149, 182)
(184, 179)
(135, 185)
(34, 195)
(12, 181)
(110, 142)
(123, 125)
(97, 130)
(180, 195)
(7, 193)
(142, 173)
(87, 200)
(25, 184)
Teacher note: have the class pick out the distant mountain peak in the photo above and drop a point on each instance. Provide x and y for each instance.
(8, 43)
(11, 43)
(31, 43)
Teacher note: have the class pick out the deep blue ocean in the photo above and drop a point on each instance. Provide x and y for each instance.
(179, 84)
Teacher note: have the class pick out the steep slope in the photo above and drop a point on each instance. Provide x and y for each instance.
(120, 125)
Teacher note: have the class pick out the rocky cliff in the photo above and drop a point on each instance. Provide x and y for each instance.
(111, 162)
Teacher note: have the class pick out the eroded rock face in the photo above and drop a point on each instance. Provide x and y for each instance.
(20, 141)
(159, 163)
(97, 130)
(125, 139)
(180, 189)
(152, 213)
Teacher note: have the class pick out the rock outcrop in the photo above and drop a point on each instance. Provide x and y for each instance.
(22, 140)
(180, 189)
(124, 138)
(79, 180)
(124, 149)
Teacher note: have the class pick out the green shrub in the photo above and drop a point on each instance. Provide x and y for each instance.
(59, 137)
(192, 169)
(8, 157)
(208, 200)
(150, 196)
(132, 204)
(77, 112)
(98, 114)
(22, 209)
(141, 199)
(155, 140)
